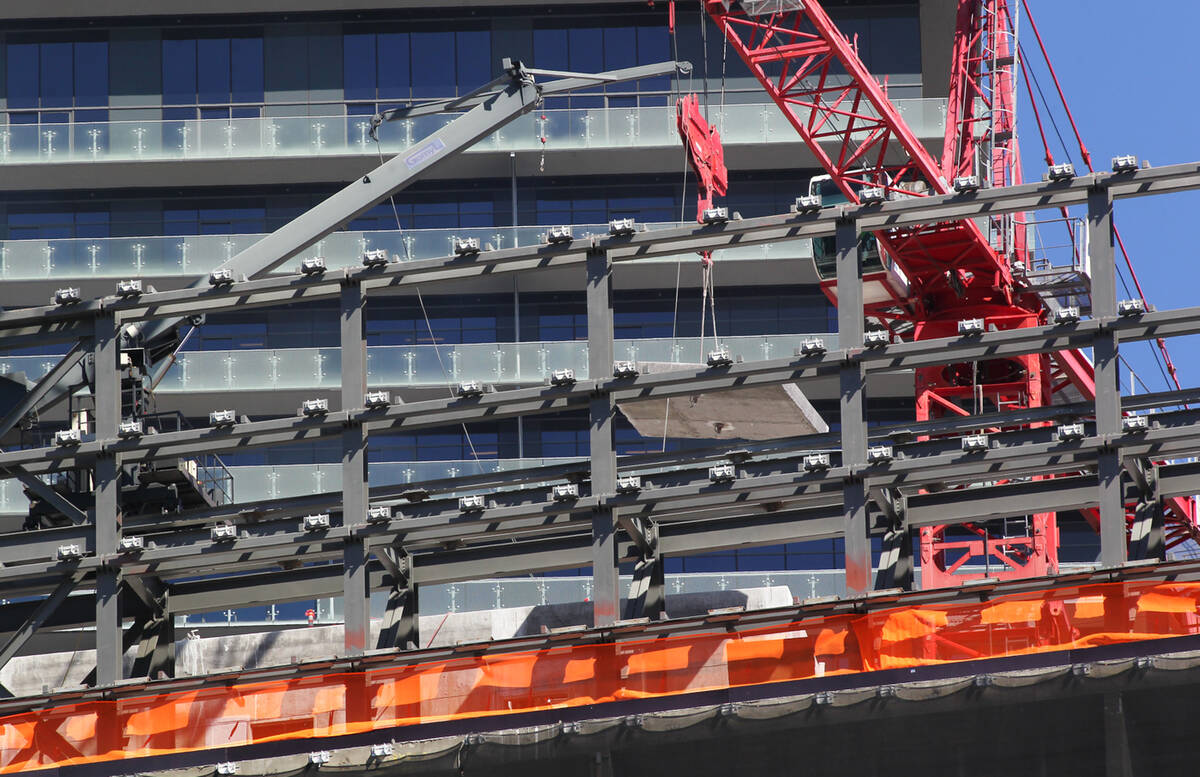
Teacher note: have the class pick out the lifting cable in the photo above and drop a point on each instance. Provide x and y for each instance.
(424, 313)
(708, 297)
(1087, 160)
(682, 209)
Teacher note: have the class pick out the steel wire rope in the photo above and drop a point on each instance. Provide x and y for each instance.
(425, 313)
(1166, 363)
(1031, 78)
(682, 212)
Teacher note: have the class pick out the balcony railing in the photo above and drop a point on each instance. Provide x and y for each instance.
(280, 136)
(195, 255)
(415, 366)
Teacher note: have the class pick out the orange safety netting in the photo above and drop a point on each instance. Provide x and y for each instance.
(572, 676)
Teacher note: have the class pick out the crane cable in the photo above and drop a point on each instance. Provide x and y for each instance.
(682, 211)
(1031, 83)
(708, 301)
(425, 313)
(1087, 160)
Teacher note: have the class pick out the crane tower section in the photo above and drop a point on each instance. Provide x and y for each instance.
(953, 271)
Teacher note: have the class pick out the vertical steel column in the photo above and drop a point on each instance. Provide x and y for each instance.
(852, 406)
(1113, 549)
(106, 515)
(606, 596)
(356, 590)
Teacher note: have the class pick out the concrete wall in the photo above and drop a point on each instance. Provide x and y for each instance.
(197, 655)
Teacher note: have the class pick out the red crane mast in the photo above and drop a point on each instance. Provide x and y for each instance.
(954, 271)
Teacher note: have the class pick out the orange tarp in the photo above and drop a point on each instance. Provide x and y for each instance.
(569, 676)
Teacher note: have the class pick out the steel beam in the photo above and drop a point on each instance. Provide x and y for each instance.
(542, 400)
(46, 492)
(106, 516)
(852, 409)
(45, 385)
(155, 658)
(896, 558)
(38, 617)
(677, 240)
(1146, 539)
(606, 596)
(356, 593)
(400, 627)
(1113, 548)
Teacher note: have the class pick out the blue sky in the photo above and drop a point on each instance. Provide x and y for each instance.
(1130, 77)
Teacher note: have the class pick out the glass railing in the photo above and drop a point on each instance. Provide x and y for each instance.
(398, 366)
(252, 483)
(277, 136)
(130, 257)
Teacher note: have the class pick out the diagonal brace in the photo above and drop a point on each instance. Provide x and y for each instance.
(401, 619)
(39, 617)
(45, 491)
(43, 386)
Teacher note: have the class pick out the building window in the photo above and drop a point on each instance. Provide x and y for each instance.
(221, 75)
(58, 80)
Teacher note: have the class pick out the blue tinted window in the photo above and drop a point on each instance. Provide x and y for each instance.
(180, 222)
(433, 53)
(22, 81)
(586, 50)
(91, 224)
(474, 59)
(246, 57)
(550, 49)
(620, 50)
(57, 75)
(476, 214)
(358, 66)
(654, 45)
(179, 72)
(436, 215)
(394, 68)
(91, 73)
(212, 77)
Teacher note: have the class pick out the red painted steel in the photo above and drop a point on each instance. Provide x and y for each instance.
(704, 153)
(955, 271)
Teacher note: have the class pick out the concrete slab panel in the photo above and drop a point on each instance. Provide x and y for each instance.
(758, 413)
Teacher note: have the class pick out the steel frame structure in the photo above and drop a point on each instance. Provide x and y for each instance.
(679, 511)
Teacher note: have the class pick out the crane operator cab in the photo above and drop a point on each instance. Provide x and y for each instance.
(884, 284)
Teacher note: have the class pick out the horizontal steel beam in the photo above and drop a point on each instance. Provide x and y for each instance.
(545, 400)
(646, 244)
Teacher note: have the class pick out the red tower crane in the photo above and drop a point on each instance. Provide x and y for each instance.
(953, 271)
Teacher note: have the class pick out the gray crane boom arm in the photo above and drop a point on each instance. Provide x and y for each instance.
(493, 108)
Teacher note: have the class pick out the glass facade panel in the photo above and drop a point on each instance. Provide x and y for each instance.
(246, 69)
(358, 65)
(22, 75)
(178, 71)
(213, 72)
(433, 60)
(394, 66)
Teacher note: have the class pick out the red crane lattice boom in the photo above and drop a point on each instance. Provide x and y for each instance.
(954, 270)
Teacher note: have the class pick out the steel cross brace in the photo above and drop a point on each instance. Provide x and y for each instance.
(400, 627)
(647, 592)
(156, 650)
(40, 615)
